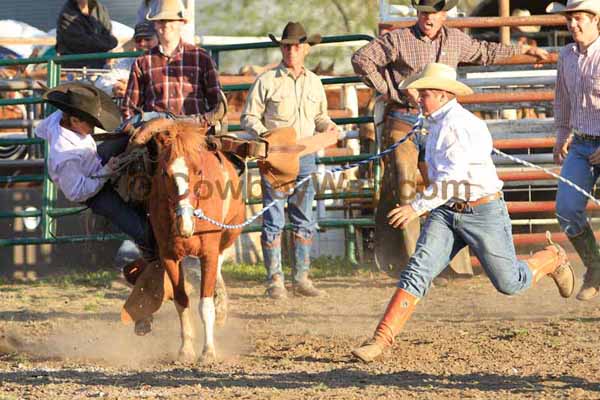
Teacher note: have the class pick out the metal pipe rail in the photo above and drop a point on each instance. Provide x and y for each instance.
(484, 22)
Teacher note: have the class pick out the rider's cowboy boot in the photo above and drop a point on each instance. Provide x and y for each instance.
(398, 311)
(586, 246)
(553, 262)
(272, 260)
(303, 286)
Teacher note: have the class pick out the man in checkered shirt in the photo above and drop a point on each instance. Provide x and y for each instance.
(175, 76)
(384, 64)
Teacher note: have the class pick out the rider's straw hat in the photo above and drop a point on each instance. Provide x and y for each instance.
(437, 76)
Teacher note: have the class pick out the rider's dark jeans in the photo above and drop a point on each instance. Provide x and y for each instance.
(109, 204)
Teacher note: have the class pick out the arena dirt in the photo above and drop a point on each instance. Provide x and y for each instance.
(465, 341)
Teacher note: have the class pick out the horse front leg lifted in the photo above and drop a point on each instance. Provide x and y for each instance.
(186, 350)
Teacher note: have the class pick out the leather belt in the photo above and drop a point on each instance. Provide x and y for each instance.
(586, 137)
(467, 206)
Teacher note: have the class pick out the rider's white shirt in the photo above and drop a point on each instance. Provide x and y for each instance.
(459, 159)
(73, 159)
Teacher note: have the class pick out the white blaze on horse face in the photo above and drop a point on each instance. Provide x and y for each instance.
(180, 171)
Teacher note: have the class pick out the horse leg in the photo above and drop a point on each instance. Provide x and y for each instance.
(186, 351)
(209, 262)
(221, 299)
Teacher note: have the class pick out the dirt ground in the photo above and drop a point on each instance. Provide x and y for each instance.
(464, 341)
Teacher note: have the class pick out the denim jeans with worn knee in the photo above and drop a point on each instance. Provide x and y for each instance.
(300, 214)
(570, 204)
(486, 229)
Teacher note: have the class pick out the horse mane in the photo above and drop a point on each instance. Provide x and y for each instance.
(185, 139)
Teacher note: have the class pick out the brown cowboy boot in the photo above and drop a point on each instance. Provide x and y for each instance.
(587, 248)
(305, 287)
(553, 261)
(398, 311)
(276, 289)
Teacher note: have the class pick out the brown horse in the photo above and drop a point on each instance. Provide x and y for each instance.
(189, 176)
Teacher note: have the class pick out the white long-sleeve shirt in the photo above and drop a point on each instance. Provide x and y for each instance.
(459, 159)
(73, 159)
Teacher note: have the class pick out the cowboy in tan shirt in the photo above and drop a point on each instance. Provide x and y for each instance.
(289, 96)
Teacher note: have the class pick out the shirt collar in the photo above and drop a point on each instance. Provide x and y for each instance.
(442, 112)
(592, 48)
(419, 35)
(178, 50)
(282, 70)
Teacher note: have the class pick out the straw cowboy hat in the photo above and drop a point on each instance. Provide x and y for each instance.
(592, 6)
(519, 12)
(294, 33)
(167, 10)
(434, 5)
(437, 76)
(87, 101)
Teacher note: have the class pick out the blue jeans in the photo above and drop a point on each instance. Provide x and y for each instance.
(570, 204)
(109, 204)
(486, 230)
(299, 209)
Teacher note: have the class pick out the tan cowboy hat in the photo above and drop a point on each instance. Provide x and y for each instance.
(167, 10)
(592, 6)
(433, 5)
(87, 101)
(294, 33)
(519, 12)
(437, 76)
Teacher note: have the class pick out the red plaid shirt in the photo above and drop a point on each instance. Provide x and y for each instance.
(186, 83)
(398, 54)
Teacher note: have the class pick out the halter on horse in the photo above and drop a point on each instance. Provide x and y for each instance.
(188, 176)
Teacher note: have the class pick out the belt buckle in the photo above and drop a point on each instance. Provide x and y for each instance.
(460, 206)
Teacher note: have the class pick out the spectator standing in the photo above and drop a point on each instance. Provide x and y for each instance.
(84, 26)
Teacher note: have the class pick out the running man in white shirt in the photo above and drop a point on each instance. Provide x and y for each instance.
(465, 207)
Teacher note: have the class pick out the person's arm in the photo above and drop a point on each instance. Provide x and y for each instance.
(134, 94)
(76, 186)
(370, 59)
(73, 36)
(322, 120)
(473, 51)
(210, 82)
(562, 113)
(252, 114)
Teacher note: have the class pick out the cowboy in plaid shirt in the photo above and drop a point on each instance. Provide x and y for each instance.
(174, 76)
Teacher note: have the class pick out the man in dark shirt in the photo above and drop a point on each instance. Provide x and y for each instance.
(84, 27)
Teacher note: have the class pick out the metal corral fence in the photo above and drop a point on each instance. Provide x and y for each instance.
(492, 94)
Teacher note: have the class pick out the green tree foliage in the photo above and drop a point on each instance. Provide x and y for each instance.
(260, 17)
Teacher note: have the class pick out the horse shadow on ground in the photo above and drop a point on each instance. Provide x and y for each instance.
(334, 379)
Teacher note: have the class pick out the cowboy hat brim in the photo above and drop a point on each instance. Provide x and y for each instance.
(449, 5)
(311, 40)
(455, 87)
(107, 117)
(585, 5)
(167, 16)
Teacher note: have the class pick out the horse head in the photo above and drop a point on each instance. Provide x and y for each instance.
(180, 153)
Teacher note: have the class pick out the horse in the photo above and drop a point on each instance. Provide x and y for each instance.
(190, 176)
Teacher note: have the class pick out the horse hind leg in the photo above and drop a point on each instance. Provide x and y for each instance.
(221, 298)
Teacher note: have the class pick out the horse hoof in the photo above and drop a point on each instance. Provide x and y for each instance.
(143, 326)
(221, 304)
(209, 356)
(186, 357)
